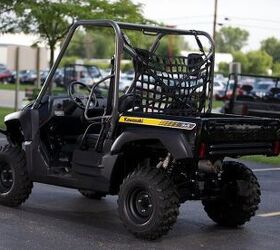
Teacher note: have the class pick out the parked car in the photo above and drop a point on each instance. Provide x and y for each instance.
(262, 88)
(87, 74)
(219, 89)
(5, 74)
(29, 77)
(25, 77)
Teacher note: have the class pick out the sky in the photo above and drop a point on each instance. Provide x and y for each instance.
(260, 17)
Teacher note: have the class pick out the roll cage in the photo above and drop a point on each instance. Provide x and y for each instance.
(122, 44)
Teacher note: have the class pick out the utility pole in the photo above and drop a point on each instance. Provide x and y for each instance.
(215, 20)
(17, 78)
(38, 80)
(170, 42)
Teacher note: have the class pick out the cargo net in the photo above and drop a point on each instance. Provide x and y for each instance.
(171, 85)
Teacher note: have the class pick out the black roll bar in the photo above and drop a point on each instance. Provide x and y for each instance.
(119, 45)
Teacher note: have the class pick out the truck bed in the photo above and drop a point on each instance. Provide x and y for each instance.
(229, 135)
(235, 135)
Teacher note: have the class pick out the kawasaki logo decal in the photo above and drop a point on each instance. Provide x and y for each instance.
(157, 122)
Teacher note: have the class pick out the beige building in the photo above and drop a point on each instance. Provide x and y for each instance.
(27, 57)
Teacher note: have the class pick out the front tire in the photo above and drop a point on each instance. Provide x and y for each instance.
(15, 184)
(239, 199)
(148, 203)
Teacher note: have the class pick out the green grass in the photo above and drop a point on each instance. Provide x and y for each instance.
(217, 104)
(10, 86)
(3, 113)
(263, 159)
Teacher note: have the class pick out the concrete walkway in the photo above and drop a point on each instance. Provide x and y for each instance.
(7, 98)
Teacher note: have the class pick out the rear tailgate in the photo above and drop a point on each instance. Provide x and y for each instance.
(239, 135)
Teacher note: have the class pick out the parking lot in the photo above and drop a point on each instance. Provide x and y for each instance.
(60, 218)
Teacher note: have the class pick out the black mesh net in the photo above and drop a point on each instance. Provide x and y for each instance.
(171, 85)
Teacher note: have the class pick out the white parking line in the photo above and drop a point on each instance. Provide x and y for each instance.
(265, 169)
(269, 214)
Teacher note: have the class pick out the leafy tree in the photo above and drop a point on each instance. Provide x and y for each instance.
(223, 68)
(230, 39)
(254, 62)
(276, 69)
(271, 46)
(51, 19)
(8, 20)
(8, 5)
(242, 58)
(259, 62)
(48, 19)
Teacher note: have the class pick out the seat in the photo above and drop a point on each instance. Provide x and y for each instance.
(129, 101)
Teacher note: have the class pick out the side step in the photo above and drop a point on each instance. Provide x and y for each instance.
(87, 162)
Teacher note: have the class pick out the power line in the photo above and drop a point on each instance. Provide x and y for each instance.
(187, 17)
(224, 16)
(253, 19)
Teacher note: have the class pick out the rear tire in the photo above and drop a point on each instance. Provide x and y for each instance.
(148, 203)
(240, 196)
(15, 184)
(92, 194)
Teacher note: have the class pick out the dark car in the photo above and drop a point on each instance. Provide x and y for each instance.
(29, 76)
(25, 76)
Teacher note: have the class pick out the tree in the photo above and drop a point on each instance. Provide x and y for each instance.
(51, 19)
(8, 5)
(276, 69)
(223, 68)
(271, 46)
(48, 19)
(8, 20)
(259, 62)
(242, 58)
(231, 39)
(254, 62)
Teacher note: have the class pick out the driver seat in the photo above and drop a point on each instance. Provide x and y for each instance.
(85, 141)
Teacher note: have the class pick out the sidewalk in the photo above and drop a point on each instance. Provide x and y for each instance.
(7, 98)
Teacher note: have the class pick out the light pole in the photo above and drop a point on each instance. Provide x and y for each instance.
(215, 20)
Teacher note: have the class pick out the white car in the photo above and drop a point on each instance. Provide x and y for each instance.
(218, 87)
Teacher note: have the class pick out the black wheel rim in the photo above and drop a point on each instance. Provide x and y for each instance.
(6, 177)
(139, 205)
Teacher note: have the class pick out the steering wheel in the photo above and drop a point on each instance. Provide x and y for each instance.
(81, 100)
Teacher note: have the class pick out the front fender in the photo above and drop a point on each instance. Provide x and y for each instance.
(27, 119)
(175, 141)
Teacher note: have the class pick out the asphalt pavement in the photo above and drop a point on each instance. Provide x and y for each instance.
(60, 218)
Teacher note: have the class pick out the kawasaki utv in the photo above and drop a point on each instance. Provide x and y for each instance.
(156, 146)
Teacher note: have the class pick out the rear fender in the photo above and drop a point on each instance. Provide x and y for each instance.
(175, 141)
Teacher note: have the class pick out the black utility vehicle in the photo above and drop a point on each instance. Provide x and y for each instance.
(155, 147)
(257, 95)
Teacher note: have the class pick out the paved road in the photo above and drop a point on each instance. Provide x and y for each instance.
(60, 218)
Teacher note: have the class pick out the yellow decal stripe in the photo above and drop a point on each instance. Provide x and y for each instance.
(157, 122)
